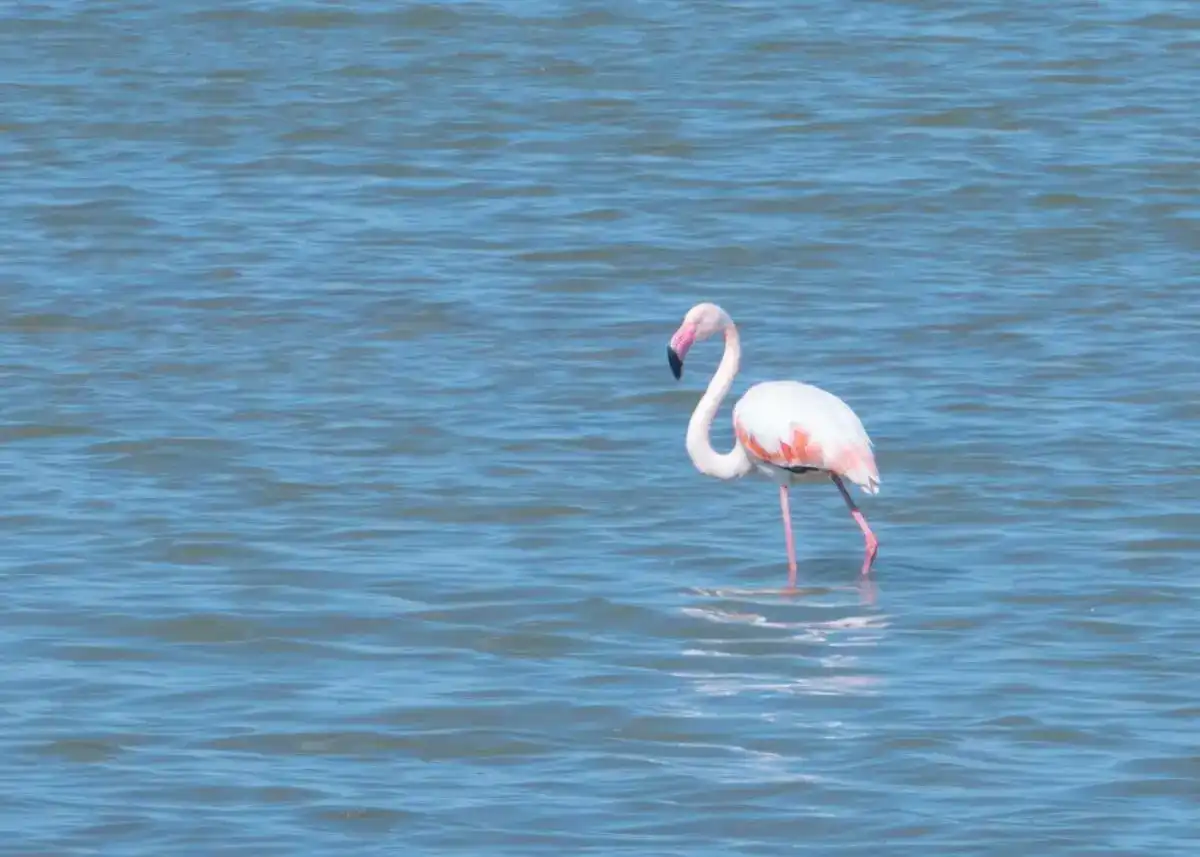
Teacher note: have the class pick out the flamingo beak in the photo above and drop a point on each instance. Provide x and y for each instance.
(678, 348)
(675, 362)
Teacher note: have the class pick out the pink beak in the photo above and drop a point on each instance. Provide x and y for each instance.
(678, 349)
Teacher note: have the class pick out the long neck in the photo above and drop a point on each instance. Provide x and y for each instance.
(708, 461)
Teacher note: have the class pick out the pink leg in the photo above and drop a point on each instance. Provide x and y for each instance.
(872, 542)
(787, 532)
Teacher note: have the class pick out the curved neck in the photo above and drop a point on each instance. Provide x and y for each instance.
(708, 461)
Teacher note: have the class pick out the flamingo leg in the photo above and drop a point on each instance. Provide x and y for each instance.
(860, 519)
(787, 533)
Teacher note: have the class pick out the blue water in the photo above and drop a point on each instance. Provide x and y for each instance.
(343, 499)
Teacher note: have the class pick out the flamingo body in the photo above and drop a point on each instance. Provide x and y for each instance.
(795, 433)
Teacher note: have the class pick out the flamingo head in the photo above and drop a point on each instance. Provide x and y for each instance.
(701, 322)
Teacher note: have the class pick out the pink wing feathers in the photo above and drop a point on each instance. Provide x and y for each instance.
(790, 424)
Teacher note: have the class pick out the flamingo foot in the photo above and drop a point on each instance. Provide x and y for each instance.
(871, 542)
(872, 551)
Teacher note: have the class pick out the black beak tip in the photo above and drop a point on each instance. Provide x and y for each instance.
(674, 362)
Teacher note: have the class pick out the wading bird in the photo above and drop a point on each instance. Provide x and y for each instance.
(792, 433)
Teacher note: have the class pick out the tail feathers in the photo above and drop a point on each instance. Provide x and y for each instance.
(864, 479)
(858, 466)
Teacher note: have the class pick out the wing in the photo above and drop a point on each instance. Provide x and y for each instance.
(790, 424)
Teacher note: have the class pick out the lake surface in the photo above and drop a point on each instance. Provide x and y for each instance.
(345, 508)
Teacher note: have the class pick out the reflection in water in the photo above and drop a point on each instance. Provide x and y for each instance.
(823, 672)
(835, 685)
(866, 587)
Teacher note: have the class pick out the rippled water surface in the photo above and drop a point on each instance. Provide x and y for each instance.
(345, 508)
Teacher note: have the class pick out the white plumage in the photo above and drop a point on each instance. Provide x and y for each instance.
(773, 415)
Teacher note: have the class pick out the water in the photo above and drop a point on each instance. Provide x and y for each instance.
(345, 505)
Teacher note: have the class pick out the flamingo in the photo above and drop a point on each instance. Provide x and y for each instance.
(790, 432)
